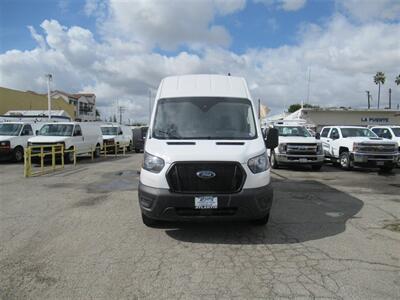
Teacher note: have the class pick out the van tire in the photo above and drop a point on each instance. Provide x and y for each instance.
(69, 156)
(274, 163)
(149, 222)
(96, 153)
(344, 161)
(18, 154)
(261, 221)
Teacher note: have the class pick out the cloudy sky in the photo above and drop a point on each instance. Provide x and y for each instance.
(120, 49)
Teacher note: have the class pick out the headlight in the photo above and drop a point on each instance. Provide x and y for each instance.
(282, 148)
(356, 147)
(153, 163)
(259, 163)
(320, 150)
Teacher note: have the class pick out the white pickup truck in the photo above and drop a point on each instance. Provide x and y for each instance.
(296, 147)
(358, 146)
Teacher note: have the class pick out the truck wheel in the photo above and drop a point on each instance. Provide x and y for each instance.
(387, 169)
(148, 221)
(344, 161)
(274, 163)
(316, 167)
(18, 154)
(262, 221)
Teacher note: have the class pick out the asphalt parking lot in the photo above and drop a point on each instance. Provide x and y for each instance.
(78, 234)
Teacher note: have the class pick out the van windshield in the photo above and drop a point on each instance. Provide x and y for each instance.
(56, 130)
(204, 118)
(109, 130)
(355, 132)
(10, 129)
(293, 131)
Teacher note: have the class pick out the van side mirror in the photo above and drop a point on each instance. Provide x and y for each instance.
(318, 136)
(272, 138)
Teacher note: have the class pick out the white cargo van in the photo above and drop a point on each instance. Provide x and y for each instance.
(14, 139)
(205, 155)
(85, 136)
(117, 134)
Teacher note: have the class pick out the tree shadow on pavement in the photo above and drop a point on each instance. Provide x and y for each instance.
(302, 211)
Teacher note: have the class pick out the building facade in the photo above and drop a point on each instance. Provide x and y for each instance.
(14, 100)
(317, 118)
(84, 104)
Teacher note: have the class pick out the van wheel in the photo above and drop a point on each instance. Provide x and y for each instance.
(97, 151)
(274, 163)
(344, 161)
(18, 154)
(149, 222)
(262, 221)
(69, 156)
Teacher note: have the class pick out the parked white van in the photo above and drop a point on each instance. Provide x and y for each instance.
(205, 155)
(117, 134)
(14, 139)
(85, 136)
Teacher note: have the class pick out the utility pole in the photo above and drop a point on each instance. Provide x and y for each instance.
(149, 105)
(49, 78)
(121, 110)
(259, 109)
(368, 99)
(390, 98)
(308, 85)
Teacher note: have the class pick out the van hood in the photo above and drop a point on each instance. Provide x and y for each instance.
(369, 140)
(6, 137)
(109, 137)
(48, 139)
(205, 150)
(298, 139)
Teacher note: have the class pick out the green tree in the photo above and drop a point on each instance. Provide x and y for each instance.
(379, 79)
(295, 107)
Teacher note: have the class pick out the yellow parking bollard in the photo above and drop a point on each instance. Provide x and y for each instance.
(53, 158)
(41, 160)
(74, 156)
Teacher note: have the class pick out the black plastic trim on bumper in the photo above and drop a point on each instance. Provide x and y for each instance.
(161, 204)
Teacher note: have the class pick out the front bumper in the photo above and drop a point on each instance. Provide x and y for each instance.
(161, 204)
(369, 159)
(300, 159)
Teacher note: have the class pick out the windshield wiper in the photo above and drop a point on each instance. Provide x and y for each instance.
(169, 135)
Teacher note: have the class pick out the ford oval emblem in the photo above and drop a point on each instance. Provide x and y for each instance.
(205, 174)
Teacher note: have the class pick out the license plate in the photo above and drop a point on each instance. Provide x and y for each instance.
(380, 163)
(205, 202)
(303, 159)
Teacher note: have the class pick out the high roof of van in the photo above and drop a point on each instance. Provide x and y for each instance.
(203, 85)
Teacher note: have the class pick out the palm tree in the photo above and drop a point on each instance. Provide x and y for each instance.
(397, 80)
(379, 79)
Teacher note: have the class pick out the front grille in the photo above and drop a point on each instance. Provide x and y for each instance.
(47, 149)
(376, 148)
(302, 149)
(229, 177)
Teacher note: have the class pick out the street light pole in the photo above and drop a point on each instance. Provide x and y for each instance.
(49, 78)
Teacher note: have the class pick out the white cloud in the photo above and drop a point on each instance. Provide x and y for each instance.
(371, 10)
(37, 37)
(288, 5)
(343, 59)
(168, 24)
